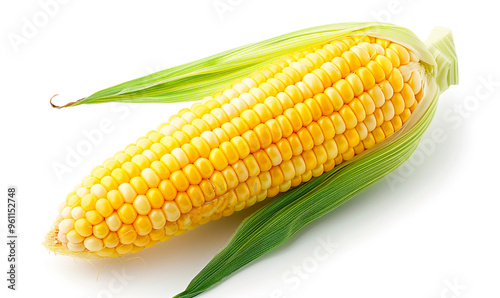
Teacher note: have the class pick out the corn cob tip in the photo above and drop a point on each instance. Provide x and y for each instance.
(53, 244)
(69, 104)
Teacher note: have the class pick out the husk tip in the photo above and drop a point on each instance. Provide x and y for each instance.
(69, 104)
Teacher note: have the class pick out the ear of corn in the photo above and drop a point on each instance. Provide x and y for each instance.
(325, 96)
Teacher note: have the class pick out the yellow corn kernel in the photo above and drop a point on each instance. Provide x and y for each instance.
(131, 169)
(345, 90)
(379, 116)
(140, 161)
(142, 225)
(408, 95)
(405, 115)
(387, 128)
(93, 217)
(127, 234)
(349, 117)
(338, 123)
(183, 202)
(170, 162)
(171, 211)
(83, 227)
(155, 198)
(369, 141)
(352, 60)
(100, 173)
(218, 159)
(142, 205)
(120, 176)
(333, 71)
(230, 177)
(230, 151)
(263, 160)
(116, 199)
(393, 57)
(378, 134)
(201, 146)
(127, 213)
(305, 139)
(88, 202)
(66, 225)
(399, 103)
(254, 185)
(124, 249)
(388, 110)
(167, 189)
(314, 108)
(342, 143)
(415, 82)
(396, 80)
(111, 240)
(397, 122)
(179, 180)
(93, 244)
(356, 83)
(98, 190)
(385, 64)
(380, 95)
(101, 230)
(263, 134)
(74, 237)
(89, 181)
(376, 71)
(113, 221)
(141, 241)
(139, 185)
(366, 77)
(358, 109)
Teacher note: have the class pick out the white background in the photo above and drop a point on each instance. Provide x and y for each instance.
(432, 233)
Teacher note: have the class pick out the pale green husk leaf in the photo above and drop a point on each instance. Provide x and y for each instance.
(201, 78)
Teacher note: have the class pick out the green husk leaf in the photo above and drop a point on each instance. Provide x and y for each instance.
(280, 219)
(195, 80)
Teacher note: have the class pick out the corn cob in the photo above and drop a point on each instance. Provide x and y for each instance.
(278, 127)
